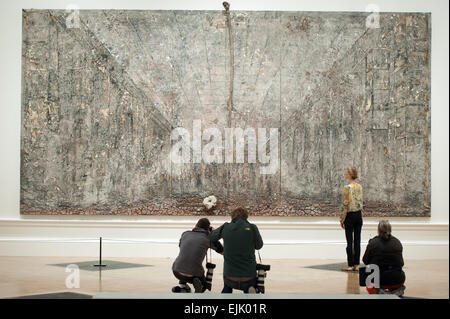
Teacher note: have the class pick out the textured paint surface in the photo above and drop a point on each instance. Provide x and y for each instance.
(99, 103)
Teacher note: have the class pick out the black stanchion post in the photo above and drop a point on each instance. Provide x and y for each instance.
(100, 263)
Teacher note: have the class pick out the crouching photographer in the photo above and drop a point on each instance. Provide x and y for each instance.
(240, 239)
(188, 266)
(386, 252)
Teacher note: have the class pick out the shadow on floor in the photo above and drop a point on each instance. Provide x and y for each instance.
(110, 265)
(332, 267)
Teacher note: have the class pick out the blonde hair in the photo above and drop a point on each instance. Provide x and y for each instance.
(353, 172)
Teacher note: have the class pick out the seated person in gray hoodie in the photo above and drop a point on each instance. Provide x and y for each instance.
(188, 266)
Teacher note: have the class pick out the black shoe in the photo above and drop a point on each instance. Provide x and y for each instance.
(187, 289)
(176, 289)
(197, 285)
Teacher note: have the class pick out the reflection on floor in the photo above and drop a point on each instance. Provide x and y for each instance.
(22, 276)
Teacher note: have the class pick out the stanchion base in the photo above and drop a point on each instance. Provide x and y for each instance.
(99, 265)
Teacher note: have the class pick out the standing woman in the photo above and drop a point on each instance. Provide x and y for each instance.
(351, 218)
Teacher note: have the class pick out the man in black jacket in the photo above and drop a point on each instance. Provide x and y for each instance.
(194, 246)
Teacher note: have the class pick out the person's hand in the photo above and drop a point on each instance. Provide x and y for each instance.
(342, 226)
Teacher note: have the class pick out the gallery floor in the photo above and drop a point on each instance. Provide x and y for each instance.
(24, 276)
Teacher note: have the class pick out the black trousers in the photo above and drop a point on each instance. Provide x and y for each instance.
(353, 224)
(184, 279)
(392, 277)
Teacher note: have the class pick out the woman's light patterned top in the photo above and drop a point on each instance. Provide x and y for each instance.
(352, 200)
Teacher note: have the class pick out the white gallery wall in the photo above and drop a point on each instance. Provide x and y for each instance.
(423, 238)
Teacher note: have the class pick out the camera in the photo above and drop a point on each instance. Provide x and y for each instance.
(261, 270)
(209, 274)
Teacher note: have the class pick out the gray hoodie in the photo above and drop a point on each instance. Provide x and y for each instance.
(194, 245)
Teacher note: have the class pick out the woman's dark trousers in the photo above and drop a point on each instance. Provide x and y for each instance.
(353, 224)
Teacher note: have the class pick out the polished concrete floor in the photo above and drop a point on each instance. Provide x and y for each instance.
(22, 276)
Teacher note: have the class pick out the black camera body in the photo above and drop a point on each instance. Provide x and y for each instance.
(262, 267)
(210, 266)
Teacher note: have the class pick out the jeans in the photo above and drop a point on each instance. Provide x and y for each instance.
(353, 224)
(229, 286)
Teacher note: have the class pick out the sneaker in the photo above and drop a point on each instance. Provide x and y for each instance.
(197, 285)
(252, 290)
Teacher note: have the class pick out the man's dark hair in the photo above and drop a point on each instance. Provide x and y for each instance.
(239, 212)
(203, 223)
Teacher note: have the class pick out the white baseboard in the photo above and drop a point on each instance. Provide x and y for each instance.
(151, 237)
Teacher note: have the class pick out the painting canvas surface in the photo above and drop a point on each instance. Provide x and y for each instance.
(103, 91)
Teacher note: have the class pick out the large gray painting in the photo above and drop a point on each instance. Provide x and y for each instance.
(103, 90)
